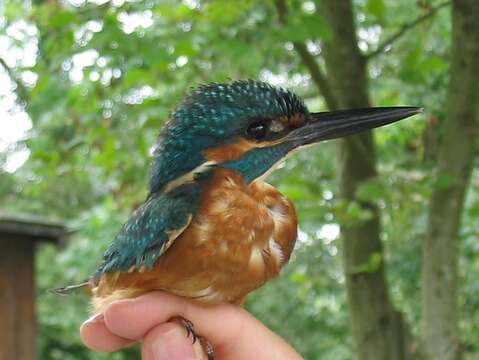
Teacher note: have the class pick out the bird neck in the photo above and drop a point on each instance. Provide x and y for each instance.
(175, 161)
(171, 169)
(258, 162)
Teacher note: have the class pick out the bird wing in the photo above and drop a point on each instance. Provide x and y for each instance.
(150, 231)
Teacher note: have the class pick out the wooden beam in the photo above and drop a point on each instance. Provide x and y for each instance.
(18, 238)
(17, 299)
(33, 228)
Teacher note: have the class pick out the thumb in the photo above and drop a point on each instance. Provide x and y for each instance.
(169, 341)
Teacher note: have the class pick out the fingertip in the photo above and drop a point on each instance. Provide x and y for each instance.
(117, 319)
(96, 336)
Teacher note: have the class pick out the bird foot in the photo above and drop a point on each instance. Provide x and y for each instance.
(190, 329)
(206, 345)
(208, 348)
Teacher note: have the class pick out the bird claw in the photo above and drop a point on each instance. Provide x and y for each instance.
(190, 331)
(208, 348)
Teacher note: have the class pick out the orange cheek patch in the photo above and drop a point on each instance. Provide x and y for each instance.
(228, 152)
(235, 150)
(297, 121)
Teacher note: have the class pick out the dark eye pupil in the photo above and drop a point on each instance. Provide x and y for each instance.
(257, 130)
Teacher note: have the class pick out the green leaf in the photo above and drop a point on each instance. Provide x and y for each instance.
(376, 8)
(371, 190)
(61, 18)
(316, 27)
(13, 10)
(444, 182)
(351, 213)
(293, 191)
(371, 265)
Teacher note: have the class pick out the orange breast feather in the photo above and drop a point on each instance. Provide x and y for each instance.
(240, 238)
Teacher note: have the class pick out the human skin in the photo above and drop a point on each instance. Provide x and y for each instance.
(231, 330)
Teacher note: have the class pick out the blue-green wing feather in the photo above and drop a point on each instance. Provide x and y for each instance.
(146, 235)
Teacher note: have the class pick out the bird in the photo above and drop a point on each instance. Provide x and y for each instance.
(211, 228)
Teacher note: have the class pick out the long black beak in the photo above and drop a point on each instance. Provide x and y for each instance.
(335, 124)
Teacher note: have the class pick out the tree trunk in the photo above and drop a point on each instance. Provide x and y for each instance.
(377, 328)
(439, 275)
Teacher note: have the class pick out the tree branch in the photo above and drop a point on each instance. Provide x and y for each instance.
(308, 60)
(404, 29)
(316, 74)
(21, 91)
(455, 161)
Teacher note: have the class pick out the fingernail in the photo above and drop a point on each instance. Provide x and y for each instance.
(173, 345)
(95, 318)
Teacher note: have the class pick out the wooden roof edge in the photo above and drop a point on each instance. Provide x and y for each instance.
(33, 227)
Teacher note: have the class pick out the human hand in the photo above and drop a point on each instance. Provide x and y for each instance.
(231, 330)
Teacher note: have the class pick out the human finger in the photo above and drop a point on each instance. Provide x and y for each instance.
(96, 336)
(133, 318)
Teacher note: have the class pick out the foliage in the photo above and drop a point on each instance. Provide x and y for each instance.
(106, 75)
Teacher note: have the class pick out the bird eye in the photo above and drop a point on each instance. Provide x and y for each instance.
(257, 130)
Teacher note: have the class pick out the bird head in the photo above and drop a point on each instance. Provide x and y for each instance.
(248, 127)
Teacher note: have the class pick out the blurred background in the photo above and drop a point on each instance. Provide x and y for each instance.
(386, 261)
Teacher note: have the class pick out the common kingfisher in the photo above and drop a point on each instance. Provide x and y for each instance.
(211, 229)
